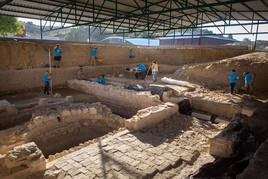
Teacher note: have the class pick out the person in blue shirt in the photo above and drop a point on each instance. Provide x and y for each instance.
(141, 73)
(57, 55)
(131, 53)
(101, 80)
(248, 82)
(93, 56)
(232, 80)
(47, 79)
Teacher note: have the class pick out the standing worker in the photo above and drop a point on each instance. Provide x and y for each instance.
(232, 80)
(57, 55)
(47, 79)
(248, 83)
(93, 56)
(154, 70)
(131, 53)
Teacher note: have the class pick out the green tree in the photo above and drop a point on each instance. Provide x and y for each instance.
(77, 34)
(9, 25)
(246, 40)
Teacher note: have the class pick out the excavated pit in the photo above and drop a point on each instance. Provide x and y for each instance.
(61, 125)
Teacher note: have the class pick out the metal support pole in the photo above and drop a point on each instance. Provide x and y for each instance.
(201, 31)
(192, 36)
(174, 38)
(123, 36)
(256, 37)
(41, 30)
(89, 34)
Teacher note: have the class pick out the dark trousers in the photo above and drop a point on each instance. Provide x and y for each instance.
(140, 74)
(46, 89)
(232, 87)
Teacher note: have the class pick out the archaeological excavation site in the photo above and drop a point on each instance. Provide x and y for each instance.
(193, 106)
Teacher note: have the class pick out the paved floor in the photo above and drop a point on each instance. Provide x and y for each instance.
(179, 142)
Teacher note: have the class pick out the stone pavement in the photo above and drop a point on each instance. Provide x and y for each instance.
(140, 154)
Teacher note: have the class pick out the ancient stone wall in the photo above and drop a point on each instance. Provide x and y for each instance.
(18, 54)
(151, 116)
(24, 161)
(122, 101)
(54, 126)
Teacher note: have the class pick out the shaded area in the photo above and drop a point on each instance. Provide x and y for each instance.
(49, 145)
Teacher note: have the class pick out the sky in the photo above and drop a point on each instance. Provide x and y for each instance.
(231, 29)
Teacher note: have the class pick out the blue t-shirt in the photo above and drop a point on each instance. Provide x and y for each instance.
(57, 52)
(46, 79)
(232, 77)
(248, 78)
(103, 81)
(142, 67)
(93, 52)
(130, 53)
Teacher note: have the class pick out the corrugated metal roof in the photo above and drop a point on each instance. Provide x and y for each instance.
(140, 15)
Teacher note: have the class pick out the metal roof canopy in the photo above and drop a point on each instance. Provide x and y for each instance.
(132, 16)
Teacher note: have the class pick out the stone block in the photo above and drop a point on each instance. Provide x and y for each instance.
(26, 157)
(43, 102)
(92, 110)
(151, 116)
(247, 111)
(68, 99)
(205, 117)
(57, 95)
(221, 147)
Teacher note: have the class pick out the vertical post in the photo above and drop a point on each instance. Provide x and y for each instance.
(201, 31)
(252, 22)
(256, 37)
(224, 24)
(230, 14)
(181, 26)
(93, 8)
(41, 30)
(99, 33)
(123, 36)
(148, 28)
(89, 34)
(174, 37)
(192, 37)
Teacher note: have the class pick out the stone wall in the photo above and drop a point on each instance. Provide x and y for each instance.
(53, 126)
(122, 101)
(23, 80)
(150, 116)
(15, 54)
(24, 161)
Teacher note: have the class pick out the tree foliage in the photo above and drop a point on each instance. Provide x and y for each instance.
(246, 40)
(77, 34)
(9, 25)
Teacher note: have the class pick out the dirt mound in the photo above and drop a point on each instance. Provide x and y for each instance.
(215, 74)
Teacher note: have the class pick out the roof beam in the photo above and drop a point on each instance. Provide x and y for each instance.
(254, 11)
(5, 2)
(175, 9)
